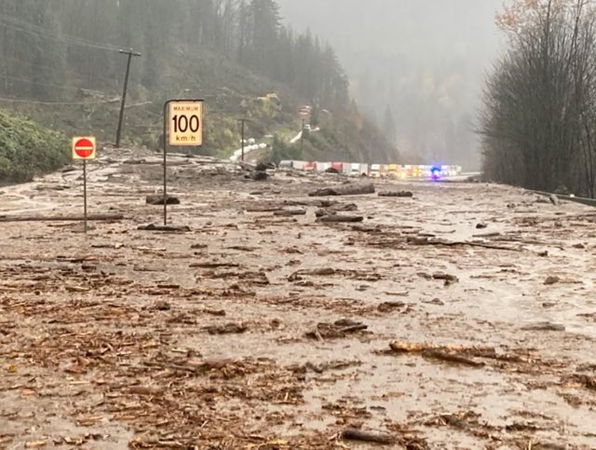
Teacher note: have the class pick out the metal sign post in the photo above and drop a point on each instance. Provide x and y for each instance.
(182, 127)
(85, 194)
(83, 148)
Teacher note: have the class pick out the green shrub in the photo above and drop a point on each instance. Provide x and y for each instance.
(27, 149)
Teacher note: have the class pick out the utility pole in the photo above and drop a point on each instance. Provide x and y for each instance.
(302, 135)
(130, 54)
(242, 122)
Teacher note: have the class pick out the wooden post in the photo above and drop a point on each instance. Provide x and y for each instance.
(130, 54)
(302, 138)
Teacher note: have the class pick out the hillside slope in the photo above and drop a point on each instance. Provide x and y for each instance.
(240, 59)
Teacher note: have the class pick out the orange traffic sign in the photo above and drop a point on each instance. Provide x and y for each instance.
(185, 118)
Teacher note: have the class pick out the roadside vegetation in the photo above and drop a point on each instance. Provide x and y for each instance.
(28, 149)
(539, 119)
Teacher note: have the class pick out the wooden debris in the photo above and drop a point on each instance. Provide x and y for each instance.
(340, 219)
(544, 326)
(349, 189)
(446, 354)
(215, 312)
(228, 328)
(550, 280)
(213, 265)
(161, 305)
(334, 209)
(257, 175)
(399, 194)
(339, 329)
(166, 228)
(451, 358)
(449, 279)
(386, 307)
(73, 218)
(586, 380)
(290, 212)
(554, 199)
(145, 390)
(441, 242)
(354, 434)
(159, 200)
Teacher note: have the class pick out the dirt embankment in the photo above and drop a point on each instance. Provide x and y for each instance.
(463, 317)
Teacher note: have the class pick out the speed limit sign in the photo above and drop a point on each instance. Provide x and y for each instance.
(183, 125)
(185, 119)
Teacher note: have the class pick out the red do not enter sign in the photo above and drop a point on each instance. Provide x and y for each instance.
(83, 147)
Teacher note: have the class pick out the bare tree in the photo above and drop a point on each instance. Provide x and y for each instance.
(538, 124)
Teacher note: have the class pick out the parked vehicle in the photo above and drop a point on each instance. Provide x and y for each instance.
(393, 170)
(377, 170)
(323, 166)
(339, 166)
(354, 169)
(299, 165)
(310, 166)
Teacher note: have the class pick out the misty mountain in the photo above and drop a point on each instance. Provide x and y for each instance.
(420, 64)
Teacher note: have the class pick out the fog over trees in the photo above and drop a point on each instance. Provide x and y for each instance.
(46, 44)
(423, 62)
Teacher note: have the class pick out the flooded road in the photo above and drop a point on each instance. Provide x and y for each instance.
(464, 317)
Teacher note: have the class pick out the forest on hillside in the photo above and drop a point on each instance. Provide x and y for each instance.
(539, 120)
(46, 46)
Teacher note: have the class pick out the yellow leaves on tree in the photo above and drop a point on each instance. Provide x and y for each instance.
(520, 13)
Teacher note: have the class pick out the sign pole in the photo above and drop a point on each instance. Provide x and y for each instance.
(83, 148)
(182, 127)
(165, 161)
(85, 193)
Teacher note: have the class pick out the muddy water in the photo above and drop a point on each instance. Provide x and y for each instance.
(122, 309)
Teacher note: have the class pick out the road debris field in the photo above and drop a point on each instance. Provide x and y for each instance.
(462, 315)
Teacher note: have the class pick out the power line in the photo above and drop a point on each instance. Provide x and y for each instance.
(36, 65)
(56, 86)
(27, 27)
(113, 101)
(37, 29)
(40, 102)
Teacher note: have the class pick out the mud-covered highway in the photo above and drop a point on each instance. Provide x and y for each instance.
(462, 317)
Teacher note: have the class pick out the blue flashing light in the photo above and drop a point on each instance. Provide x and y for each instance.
(435, 173)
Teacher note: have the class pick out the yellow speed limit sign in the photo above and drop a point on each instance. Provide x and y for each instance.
(185, 118)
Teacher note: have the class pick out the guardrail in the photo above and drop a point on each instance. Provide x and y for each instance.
(570, 198)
